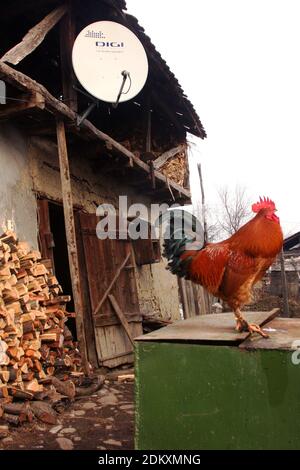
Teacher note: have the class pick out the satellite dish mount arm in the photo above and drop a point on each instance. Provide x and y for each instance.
(83, 116)
(125, 75)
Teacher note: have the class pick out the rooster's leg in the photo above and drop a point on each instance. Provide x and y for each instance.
(243, 325)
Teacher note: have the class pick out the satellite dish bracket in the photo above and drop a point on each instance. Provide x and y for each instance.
(90, 108)
(86, 113)
(125, 75)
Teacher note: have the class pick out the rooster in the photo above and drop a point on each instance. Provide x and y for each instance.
(229, 269)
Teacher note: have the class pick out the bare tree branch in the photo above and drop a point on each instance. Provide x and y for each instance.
(234, 208)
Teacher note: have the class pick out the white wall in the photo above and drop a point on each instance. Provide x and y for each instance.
(17, 201)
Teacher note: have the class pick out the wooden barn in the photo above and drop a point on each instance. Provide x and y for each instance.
(55, 173)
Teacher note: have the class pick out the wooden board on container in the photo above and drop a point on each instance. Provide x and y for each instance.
(284, 333)
(215, 328)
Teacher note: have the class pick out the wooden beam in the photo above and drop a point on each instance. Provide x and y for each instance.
(21, 105)
(34, 37)
(71, 239)
(163, 158)
(121, 317)
(149, 124)
(67, 38)
(87, 129)
(285, 293)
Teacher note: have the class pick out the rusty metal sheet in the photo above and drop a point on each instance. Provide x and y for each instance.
(283, 332)
(219, 327)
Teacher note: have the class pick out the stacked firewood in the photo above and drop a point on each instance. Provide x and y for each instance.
(34, 339)
(176, 168)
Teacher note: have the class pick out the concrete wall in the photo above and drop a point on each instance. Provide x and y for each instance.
(17, 201)
(158, 291)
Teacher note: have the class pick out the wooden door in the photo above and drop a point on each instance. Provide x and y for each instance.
(103, 259)
(45, 236)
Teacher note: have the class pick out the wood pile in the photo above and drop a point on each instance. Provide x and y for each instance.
(34, 339)
(176, 168)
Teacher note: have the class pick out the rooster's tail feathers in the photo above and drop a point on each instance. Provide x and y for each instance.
(183, 234)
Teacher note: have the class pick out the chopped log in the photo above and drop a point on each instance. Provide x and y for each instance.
(14, 374)
(8, 237)
(125, 377)
(15, 352)
(28, 377)
(66, 388)
(60, 299)
(59, 402)
(32, 354)
(4, 359)
(44, 412)
(3, 391)
(15, 408)
(27, 317)
(11, 419)
(87, 391)
(21, 394)
(33, 386)
(48, 337)
(50, 370)
(28, 326)
(4, 375)
(3, 431)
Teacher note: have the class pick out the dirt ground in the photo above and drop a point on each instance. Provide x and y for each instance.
(102, 421)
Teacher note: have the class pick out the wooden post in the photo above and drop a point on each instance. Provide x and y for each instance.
(149, 124)
(71, 239)
(203, 202)
(67, 38)
(183, 297)
(206, 295)
(285, 295)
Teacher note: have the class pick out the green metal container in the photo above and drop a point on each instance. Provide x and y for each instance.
(201, 385)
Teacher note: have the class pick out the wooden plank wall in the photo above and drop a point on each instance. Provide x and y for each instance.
(103, 258)
(194, 298)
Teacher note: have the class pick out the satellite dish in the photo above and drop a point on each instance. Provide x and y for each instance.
(110, 61)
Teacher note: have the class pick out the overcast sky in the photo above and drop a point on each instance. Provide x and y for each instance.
(239, 63)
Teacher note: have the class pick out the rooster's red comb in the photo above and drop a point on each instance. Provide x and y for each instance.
(264, 203)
